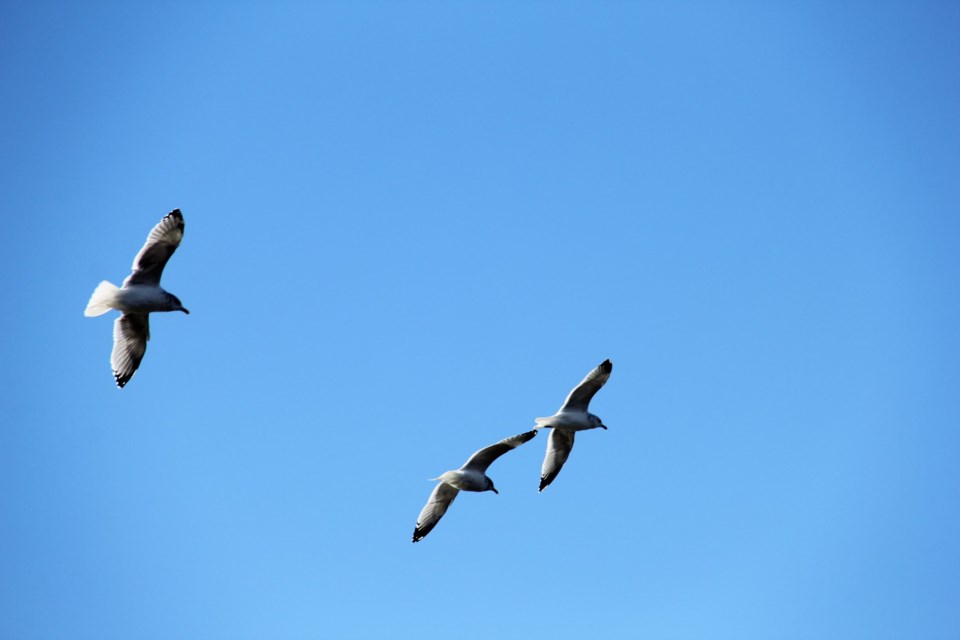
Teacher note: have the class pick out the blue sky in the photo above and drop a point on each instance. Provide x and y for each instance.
(411, 228)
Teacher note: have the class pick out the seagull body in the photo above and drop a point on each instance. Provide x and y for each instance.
(472, 476)
(467, 480)
(140, 295)
(572, 417)
(138, 298)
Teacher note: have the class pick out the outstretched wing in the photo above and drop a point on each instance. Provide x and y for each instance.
(558, 450)
(483, 458)
(579, 398)
(130, 334)
(441, 498)
(161, 243)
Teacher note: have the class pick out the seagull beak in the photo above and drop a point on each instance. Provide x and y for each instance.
(184, 309)
(494, 490)
(603, 426)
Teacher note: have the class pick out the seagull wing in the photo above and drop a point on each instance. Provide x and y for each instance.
(483, 458)
(130, 334)
(441, 498)
(579, 398)
(161, 243)
(558, 450)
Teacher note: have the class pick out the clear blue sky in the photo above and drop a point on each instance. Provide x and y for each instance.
(411, 228)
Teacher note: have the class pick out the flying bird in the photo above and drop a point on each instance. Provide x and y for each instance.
(471, 476)
(572, 417)
(140, 295)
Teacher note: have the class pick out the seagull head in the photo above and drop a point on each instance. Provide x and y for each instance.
(177, 305)
(490, 486)
(596, 422)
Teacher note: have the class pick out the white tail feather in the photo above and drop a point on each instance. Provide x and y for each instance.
(103, 299)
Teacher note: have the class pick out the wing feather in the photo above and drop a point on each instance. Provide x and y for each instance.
(558, 450)
(579, 398)
(130, 334)
(437, 505)
(485, 457)
(163, 240)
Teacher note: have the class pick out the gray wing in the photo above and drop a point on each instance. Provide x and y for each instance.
(161, 243)
(558, 450)
(130, 334)
(579, 398)
(441, 498)
(483, 458)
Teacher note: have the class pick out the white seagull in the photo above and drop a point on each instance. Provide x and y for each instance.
(471, 476)
(140, 295)
(572, 417)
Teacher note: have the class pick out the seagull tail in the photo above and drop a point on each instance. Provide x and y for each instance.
(102, 300)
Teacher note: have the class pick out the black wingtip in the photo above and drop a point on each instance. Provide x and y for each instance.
(606, 366)
(420, 532)
(176, 215)
(546, 481)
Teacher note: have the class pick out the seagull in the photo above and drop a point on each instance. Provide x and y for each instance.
(471, 476)
(140, 295)
(572, 417)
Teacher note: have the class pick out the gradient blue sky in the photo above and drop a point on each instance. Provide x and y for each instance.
(411, 228)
